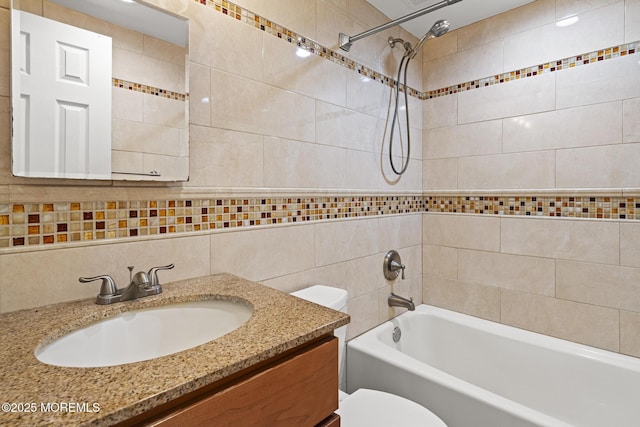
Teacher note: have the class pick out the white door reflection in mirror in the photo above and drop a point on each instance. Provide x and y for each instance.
(61, 100)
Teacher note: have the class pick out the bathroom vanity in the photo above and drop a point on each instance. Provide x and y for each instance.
(279, 367)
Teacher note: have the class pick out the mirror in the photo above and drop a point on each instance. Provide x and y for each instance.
(99, 91)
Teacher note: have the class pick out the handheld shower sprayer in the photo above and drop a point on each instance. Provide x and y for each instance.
(438, 29)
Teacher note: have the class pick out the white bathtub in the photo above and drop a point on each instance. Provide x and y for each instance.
(475, 373)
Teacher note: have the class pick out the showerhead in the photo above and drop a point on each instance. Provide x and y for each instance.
(438, 29)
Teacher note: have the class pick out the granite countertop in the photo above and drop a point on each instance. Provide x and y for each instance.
(48, 395)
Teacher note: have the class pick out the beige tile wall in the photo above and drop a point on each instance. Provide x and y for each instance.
(265, 122)
(573, 131)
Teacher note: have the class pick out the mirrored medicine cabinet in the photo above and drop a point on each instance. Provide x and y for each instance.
(99, 90)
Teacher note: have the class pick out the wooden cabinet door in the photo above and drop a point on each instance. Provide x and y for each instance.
(300, 391)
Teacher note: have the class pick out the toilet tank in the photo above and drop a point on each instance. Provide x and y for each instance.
(336, 299)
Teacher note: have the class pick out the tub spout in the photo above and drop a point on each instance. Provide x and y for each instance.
(398, 301)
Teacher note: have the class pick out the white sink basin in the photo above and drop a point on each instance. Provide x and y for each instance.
(146, 334)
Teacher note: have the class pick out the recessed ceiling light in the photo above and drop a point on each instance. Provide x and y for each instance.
(302, 53)
(567, 21)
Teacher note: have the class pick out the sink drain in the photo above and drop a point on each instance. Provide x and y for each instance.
(397, 333)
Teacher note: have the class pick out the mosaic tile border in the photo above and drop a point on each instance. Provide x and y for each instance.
(246, 16)
(34, 224)
(241, 14)
(549, 67)
(150, 90)
(579, 206)
(28, 224)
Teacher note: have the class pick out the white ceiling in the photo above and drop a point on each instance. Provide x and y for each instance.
(458, 14)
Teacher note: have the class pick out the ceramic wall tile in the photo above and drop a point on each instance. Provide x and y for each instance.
(593, 84)
(165, 51)
(364, 311)
(521, 273)
(568, 8)
(629, 337)
(134, 136)
(630, 244)
(225, 158)
(246, 105)
(308, 165)
(401, 144)
(409, 288)
(466, 140)
(582, 323)
(344, 240)
(289, 68)
(368, 16)
(511, 99)
(461, 231)
(440, 174)
(199, 94)
(364, 275)
(372, 171)
(632, 21)
(440, 47)
(469, 298)
(333, 275)
(440, 261)
(127, 104)
(594, 30)
(400, 231)
(264, 253)
(611, 166)
(508, 171)
(133, 67)
(368, 96)
(529, 16)
(341, 127)
(440, 112)
(5, 52)
(189, 254)
(590, 241)
(482, 61)
(598, 124)
(299, 19)
(596, 284)
(631, 124)
(213, 36)
(165, 112)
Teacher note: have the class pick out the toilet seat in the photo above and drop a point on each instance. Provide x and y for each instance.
(372, 408)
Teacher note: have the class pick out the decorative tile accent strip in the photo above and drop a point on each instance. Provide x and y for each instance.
(138, 87)
(32, 224)
(236, 12)
(599, 207)
(549, 67)
(25, 224)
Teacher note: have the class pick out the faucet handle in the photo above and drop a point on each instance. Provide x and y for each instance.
(108, 287)
(397, 266)
(153, 273)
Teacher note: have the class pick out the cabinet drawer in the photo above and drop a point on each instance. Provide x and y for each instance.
(301, 390)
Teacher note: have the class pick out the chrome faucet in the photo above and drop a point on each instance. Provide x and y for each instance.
(140, 285)
(398, 301)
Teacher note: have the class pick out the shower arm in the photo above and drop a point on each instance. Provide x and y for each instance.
(346, 41)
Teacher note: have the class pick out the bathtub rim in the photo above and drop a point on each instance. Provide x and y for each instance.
(370, 344)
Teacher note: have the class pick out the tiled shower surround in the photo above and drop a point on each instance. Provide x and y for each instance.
(521, 203)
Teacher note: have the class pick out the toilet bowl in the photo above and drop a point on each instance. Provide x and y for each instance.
(364, 407)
